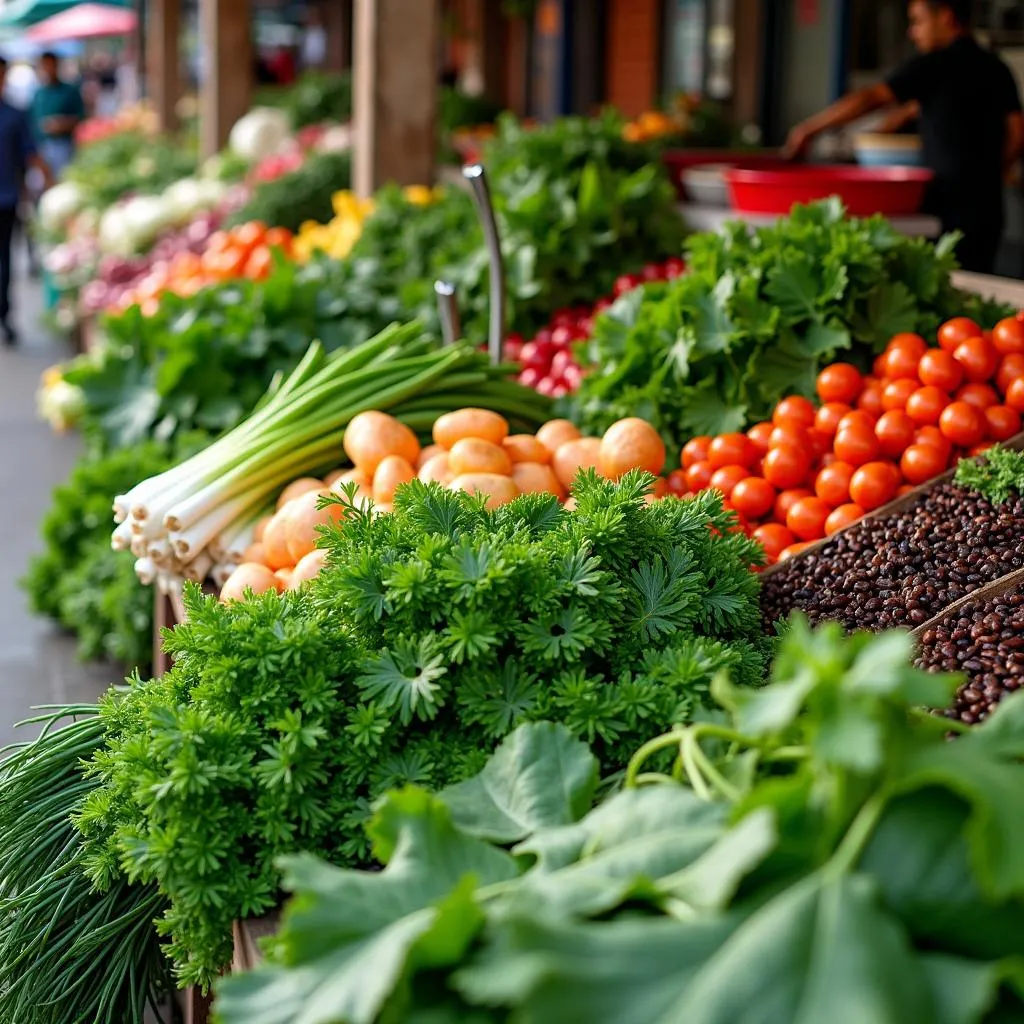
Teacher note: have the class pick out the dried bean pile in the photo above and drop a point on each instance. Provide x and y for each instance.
(985, 639)
(904, 568)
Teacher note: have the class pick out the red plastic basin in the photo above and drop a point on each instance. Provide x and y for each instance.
(892, 191)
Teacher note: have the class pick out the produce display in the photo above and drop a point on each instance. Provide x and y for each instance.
(819, 852)
(758, 315)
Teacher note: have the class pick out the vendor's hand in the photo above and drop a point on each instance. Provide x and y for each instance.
(797, 142)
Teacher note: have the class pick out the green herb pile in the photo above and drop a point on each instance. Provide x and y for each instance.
(78, 580)
(315, 98)
(758, 314)
(997, 475)
(821, 852)
(301, 195)
(431, 634)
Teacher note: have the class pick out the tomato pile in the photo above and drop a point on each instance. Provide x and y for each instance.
(549, 365)
(814, 469)
(243, 251)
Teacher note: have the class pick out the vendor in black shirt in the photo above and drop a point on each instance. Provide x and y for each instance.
(972, 129)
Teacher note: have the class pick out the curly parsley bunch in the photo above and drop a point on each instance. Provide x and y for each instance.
(431, 634)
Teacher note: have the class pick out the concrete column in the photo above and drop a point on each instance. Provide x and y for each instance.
(226, 91)
(395, 83)
(163, 29)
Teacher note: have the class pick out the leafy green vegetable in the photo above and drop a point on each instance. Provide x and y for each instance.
(998, 474)
(830, 855)
(431, 634)
(315, 98)
(758, 314)
(301, 195)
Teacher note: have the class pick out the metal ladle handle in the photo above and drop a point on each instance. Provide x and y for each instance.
(477, 178)
(448, 312)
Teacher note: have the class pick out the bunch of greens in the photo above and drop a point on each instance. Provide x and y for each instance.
(431, 634)
(77, 579)
(301, 195)
(831, 856)
(315, 98)
(997, 475)
(68, 954)
(758, 314)
(204, 361)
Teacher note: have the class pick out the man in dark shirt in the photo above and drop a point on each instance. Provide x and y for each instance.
(17, 151)
(972, 129)
(57, 110)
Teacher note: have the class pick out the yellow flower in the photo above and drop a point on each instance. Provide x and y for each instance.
(418, 195)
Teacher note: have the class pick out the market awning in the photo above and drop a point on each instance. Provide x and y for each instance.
(23, 13)
(85, 21)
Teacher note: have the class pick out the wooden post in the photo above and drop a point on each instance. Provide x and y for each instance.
(395, 85)
(338, 26)
(748, 63)
(226, 92)
(163, 28)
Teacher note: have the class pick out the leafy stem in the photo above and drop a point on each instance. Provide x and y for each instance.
(857, 835)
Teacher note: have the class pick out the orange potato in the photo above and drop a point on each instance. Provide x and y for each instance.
(372, 436)
(427, 454)
(631, 443)
(525, 448)
(331, 478)
(249, 576)
(303, 485)
(499, 489)
(583, 453)
(535, 477)
(479, 423)
(555, 433)
(570, 504)
(255, 552)
(302, 517)
(437, 470)
(392, 471)
(285, 576)
(307, 567)
(359, 477)
(261, 525)
(275, 541)
(471, 455)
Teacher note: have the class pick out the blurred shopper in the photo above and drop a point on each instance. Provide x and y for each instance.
(972, 128)
(57, 110)
(17, 153)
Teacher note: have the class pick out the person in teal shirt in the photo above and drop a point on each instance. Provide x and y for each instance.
(57, 108)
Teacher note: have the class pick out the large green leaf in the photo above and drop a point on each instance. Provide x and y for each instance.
(540, 776)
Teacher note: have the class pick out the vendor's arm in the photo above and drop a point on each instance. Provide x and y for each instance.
(900, 117)
(842, 112)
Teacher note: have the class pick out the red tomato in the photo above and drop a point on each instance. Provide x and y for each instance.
(698, 476)
(901, 362)
(956, 331)
(962, 424)
(753, 497)
(1015, 394)
(874, 484)
(895, 432)
(725, 478)
(840, 518)
(896, 393)
(794, 549)
(731, 450)
(904, 489)
(1001, 422)
(786, 466)
(981, 396)
(925, 405)
(828, 417)
(907, 342)
(832, 484)
(978, 358)
(921, 462)
(774, 538)
(856, 445)
(979, 449)
(940, 369)
(792, 434)
(1010, 368)
(786, 500)
(878, 366)
(794, 409)
(677, 484)
(760, 435)
(858, 419)
(1008, 335)
(840, 382)
(871, 399)
(934, 437)
(806, 518)
(695, 450)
